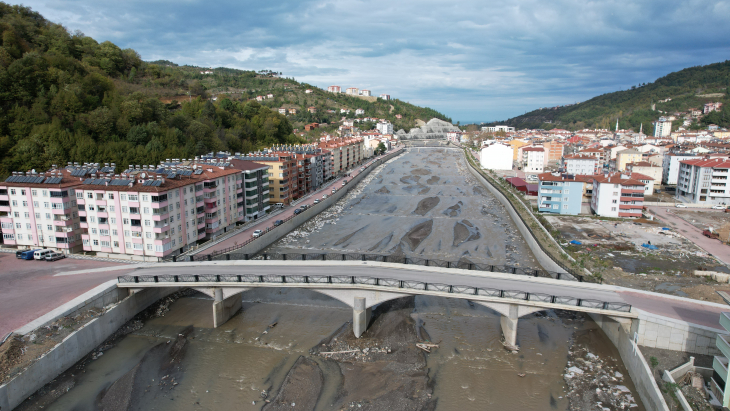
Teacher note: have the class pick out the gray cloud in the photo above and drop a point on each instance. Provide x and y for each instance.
(472, 60)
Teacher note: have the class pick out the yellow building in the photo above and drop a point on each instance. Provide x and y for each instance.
(516, 144)
(627, 156)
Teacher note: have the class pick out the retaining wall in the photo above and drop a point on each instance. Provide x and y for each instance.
(633, 360)
(545, 260)
(121, 308)
(670, 334)
(284, 229)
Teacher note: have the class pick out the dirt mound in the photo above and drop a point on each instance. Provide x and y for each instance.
(420, 172)
(426, 205)
(417, 234)
(383, 190)
(454, 210)
(349, 236)
(465, 231)
(302, 386)
(11, 353)
(480, 191)
(433, 180)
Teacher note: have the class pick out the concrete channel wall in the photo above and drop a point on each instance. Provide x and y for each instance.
(278, 232)
(545, 260)
(671, 334)
(633, 360)
(120, 308)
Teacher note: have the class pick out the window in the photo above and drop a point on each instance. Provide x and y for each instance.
(85, 241)
(125, 221)
(116, 244)
(28, 226)
(8, 236)
(48, 216)
(45, 193)
(111, 209)
(15, 203)
(49, 227)
(79, 195)
(125, 209)
(112, 220)
(110, 196)
(30, 237)
(555, 206)
(614, 201)
(148, 235)
(105, 244)
(91, 207)
(38, 226)
(133, 210)
(146, 210)
(172, 231)
(137, 246)
(35, 204)
(149, 247)
(123, 197)
(613, 208)
(20, 236)
(19, 226)
(133, 197)
(127, 234)
(565, 206)
(173, 242)
(104, 232)
(93, 231)
(92, 219)
(26, 214)
(25, 204)
(22, 192)
(147, 223)
(90, 195)
(12, 191)
(567, 191)
(115, 233)
(128, 244)
(145, 197)
(34, 193)
(96, 242)
(38, 216)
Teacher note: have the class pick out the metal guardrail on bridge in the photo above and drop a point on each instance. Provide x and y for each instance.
(385, 283)
(401, 259)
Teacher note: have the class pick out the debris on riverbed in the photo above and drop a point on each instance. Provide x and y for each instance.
(595, 384)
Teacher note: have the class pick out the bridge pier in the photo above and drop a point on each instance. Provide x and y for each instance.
(224, 307)
(510, 317)
(360, 316)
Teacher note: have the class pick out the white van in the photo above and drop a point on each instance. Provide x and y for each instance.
(41, 254)
(279, 205)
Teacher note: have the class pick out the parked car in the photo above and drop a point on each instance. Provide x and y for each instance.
(680, 205)
(257, 233)
(334, 190)
(279, 205)
(41, 254)
(324, 197)
(27, 255)
(278, 223)
(53, 256)
(710, 234)
(344, 182)
(304, 206)
(19, 253)
(297, 211)
(316, 201)
(719, 207)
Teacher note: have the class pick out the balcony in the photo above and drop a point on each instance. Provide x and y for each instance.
(722, 342)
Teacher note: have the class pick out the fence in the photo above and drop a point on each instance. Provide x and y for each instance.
(400, 259)
(386, 283)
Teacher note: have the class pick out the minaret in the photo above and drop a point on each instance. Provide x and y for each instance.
(641, 128)
(617, 125)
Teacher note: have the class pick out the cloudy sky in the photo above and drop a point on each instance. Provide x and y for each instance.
(472, 60)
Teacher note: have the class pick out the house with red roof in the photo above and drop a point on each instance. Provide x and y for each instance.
(704, 181)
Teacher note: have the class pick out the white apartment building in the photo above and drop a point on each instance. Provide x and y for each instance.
(533, 159)
(495, 129)
(583, 164)
(663, 127)
(384, 127)
(704, 181)
(334, 89)
(365, 93)
(617, 195)
(496, 156)
(353, 91)
(670, 166)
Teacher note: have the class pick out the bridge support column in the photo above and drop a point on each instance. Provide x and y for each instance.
(509, 326)
(360, 316)
(224, 308)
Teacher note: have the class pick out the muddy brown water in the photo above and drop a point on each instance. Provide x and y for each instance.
(271, 349)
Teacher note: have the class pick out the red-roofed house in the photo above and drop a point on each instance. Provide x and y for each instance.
(617, 195)
(704, 181)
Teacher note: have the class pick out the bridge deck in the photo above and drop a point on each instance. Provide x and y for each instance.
(456, 283)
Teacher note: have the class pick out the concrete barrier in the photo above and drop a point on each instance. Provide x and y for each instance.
(656, 331)
(121, 307)
(278, 232)
(633, 359)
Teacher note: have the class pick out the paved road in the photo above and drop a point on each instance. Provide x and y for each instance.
(288, 211)
(29, 289)
(694, 234)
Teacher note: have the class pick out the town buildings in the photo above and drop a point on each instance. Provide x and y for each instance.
(344, 153)
(627, 156)
(533, 159)
(334, 89)
(255, 187)
(581, 164)
(663, 127)
(647, 169)
(384, 127)
(352, 91)
(704, 181)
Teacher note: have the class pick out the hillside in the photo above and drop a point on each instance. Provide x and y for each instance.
(688, 88)
(66, 97)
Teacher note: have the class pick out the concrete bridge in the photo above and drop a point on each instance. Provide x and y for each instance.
(364, 284)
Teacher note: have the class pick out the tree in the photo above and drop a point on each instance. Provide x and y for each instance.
(380, 149)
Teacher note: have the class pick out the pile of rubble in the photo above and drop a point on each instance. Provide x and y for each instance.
(594, 384)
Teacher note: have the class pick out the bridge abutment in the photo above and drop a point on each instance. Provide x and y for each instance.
(361, 314)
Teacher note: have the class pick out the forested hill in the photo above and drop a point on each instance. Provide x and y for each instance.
(688, 88)
(66, 97)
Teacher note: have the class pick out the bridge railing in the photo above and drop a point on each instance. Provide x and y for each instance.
(401, 259)
(386, 283)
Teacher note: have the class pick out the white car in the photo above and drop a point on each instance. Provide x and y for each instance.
(680, 205)
(257, 233)
(718, 207)
(316, 201)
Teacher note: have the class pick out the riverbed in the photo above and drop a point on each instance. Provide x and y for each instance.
(424, 203)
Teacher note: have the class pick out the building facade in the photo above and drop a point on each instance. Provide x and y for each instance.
(581, 164)
(559, 194)
(617, 195)
(704, 181)
(533, 159)
(255, 188)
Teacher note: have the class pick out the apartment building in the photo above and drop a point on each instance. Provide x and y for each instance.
(255, 188)
(663, 127)
(627, 156)
(704, 181)
(597, 153)
(283, 174)
(560, 194)
(648, 169)
(670, 166)
(345, 153)
(334, 89)
(353, 91)
(617, 195)
(581, 164)
(384, 127)
(153, 213)
(533, 159)
(553, 151)
(496, 156)
(39, 210)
